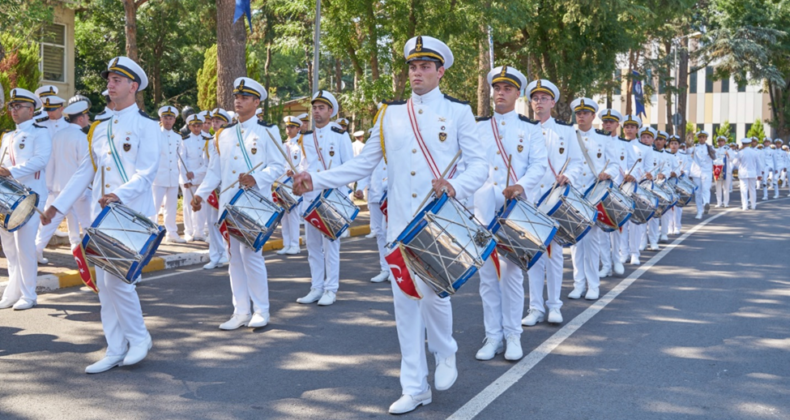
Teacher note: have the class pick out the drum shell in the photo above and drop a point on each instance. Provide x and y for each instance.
(614, 206)
(335, 209)
(665, 200)
(684, 189)
(285, 196)
(17, 204)
(571, 211)
(522, 232)
(645, 202)
(243, 218)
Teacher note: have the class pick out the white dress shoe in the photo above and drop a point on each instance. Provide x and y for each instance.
(371, 235)
(407, 403)
(137, 353)
(199, 239)
(23, 304)
(591, 294)
(294, 250)
(533, 317)
(380, 277)
(210, 266)
(664, 238)
(618, 268)
(282, 251)
(445, 375)
(634, 260)
(698, 217)
(176, 239)
(235, 322)
(490, 349)
(41, 259)
(222, 262)
(555, 316)
(513, 351)
(653, 247)
(6, 303)
(717, 206)
(604, 273)
(327, 299)
(576, 293)
(259, 320)
(105, 364)
(311, 297)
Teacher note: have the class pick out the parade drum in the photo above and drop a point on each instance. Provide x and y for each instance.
(645, 202)
(445, 245)
(574, 214)
(285, 195)
(614, 207)
(122, 241)
(17, 204)
(665, 200)
(383, 204)
(331, 213)
(667, 188)
(251, 217)
(522, 232)
(683, 188)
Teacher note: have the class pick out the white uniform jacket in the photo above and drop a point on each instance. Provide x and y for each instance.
(595, 143)
(26, 152)
(701, 163)
(335, 150)
(193, 153)
(749, 165)
(561, 147)
(169, 164)
(69, 147)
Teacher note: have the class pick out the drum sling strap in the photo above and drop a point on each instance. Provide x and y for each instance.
(502, 152)
(114, 152)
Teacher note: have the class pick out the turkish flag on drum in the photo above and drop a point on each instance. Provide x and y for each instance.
(82, 265)
(717, 169)
(400, 272)
(604, 216)
(315, 219)
(383, 208)
(497, 266)
(213, 200)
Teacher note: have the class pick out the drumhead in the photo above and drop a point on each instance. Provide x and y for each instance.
(598, 191)
(628, 188)
(550, 203)
(21, 212)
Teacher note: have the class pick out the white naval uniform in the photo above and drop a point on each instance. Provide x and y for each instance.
(702, 174)
(724, 155)
(587, 253)
(770, 167)
(248, 277)
(503, 299)
(27, 151)
(783, 163)
(69, 147)
(322, 253)
(292, 219)
(165, 186)
(620, 155)
(635, 231)
(53, 126)
(217, 247)
(194, 158)
(136, 140)
(668, 219)
(375, 186)
(664, 165)
(749, 168)
(684, 166)
(408, 181)
(561, 146)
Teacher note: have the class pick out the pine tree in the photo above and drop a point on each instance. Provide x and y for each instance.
(19, 68)
(757, 130)
(726, 131)
(207, 80)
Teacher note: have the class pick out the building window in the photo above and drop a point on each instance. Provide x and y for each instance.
(725, 85)
(709, 79)
(700, 127)
(53, 53)
(748, 127)
(742, 86)
(715, 129)
(693, 82)
(655, 126)
(734, 131)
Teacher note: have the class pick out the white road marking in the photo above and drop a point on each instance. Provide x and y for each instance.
(488, 395)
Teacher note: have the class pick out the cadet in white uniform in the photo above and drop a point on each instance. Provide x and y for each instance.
(670, 170)
(376, 185)
(166, 182)
(292, 219)
(53, 106)
(723, 158)
(786, 151)
(326, 147)
(240, 147)
(749, 171)
(683, 165)
(517, 159)
(25, 153)
(69, 147)
(125, 148)
(194, 160)
(444, 125)
(643, 164)
(217, 247)
(702, 156)
(769, 179)
(562, 147)
(780, 165)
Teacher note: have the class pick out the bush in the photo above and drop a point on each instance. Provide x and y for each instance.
(19, 68)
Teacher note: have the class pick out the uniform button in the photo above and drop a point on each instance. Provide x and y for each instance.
(584, 174)
(414, 196)
(498, 152)
(108, 185)
(108, 168)
(413, 173)
(496, 168)
(495, 183)
(503, 123)
(234, 172)
(235, 157)
(541, 186)
(420, 111)
(109, 153)
(414, 150)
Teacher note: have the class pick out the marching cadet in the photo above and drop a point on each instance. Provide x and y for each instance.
(53, 106)
(69, 147)
(670, 170)
(562, 147)
(305, 119)
(259, 114)
(322, 149)
(723, 166)
(643, 164)
(42, 92)
(780, 165)
(343, 124)
(702, 155)
(443, 125)
(786, 151)
(165, 185)
(195, 164)
(358, 143)
(682, 163)
(620, 155)
(291, 219)
(240, 148)
(586, 254)
(186, 112)
(769, 179)
(217, 248)
(25, 154)
(125, 149)
(647, 136)
(749, 172)
(517, 159)
(376, 185)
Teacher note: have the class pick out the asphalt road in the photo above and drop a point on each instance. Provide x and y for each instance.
(702, 334)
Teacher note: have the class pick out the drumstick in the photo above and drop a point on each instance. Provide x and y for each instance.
(237, 181)
(447, 169)
(186, 169)
(630, 170)
(598, 178)
(3, 158)
(509, 166)
(564, 166)
(102, 181)
(287, 159)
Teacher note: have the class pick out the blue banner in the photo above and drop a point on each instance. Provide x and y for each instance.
(243, 8)
(639, 94)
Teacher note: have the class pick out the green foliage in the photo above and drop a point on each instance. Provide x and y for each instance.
(757, 130)
(19, 68)
(207, 80)
(726, 131)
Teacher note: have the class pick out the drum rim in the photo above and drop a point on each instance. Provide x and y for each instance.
(557, 206)
(7, 217)
(418, 223)
(596, 184)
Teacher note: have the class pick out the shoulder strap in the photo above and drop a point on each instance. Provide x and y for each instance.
(90, 142)
(380, 117)
(216, 139)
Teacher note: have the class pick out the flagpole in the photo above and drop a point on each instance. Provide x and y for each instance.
(316, 47)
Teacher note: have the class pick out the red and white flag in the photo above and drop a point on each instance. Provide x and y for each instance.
(604, 216)
(213, 200)
(383, 208)
(315, 219)
(400, 272)
(82, 265)
(497, 266)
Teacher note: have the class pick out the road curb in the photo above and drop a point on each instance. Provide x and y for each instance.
(51, 282)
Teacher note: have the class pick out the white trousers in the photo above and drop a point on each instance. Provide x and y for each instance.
(702, 195)
(324, 258)
(635, 233)
(675, 223)
(248, 280)
(79, 215)
(548, 269)
(653, 229)
(217, 248)
(194, 221)
(290, 227)
(625, 241)
(748, 192)
(379, 226)
(609, 242)
(722, 192)
(586, 254)
(19, 248)
(169, 197)
(414, 318)
(503, 299)
(667, 220)
(121, 313)
(768, 181)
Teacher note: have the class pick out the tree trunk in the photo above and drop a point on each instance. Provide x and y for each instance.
(667, 89)
(231, 48)
(630, 84)
(309, 59)
(483, 91)
(130, 28)
(683, 85)
(266, 76)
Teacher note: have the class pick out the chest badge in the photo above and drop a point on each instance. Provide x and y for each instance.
(254, 150)
(520, 148)
(599, 155)
(442, 137)
(442, 119)
(127, 147)
(562, 150)
(21, 146)
(331, 153)
(622, 157)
